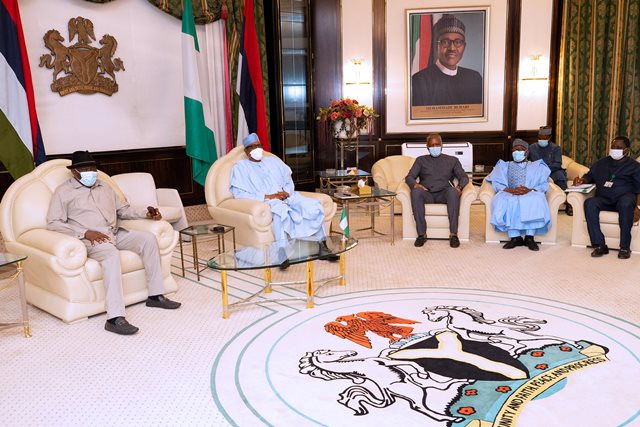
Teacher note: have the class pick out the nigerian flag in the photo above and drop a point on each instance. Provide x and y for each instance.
(200, 142)
(344, 225)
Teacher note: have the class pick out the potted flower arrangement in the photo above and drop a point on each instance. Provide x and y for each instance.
(346, 118)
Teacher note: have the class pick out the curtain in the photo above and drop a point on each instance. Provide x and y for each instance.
(599, 77)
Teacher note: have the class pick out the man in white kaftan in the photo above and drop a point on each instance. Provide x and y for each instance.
(520, 205)
(268, 179)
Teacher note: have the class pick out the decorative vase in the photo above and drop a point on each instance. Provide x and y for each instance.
(344, 132)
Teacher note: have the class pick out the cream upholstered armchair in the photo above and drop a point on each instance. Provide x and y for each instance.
(608, 224)
(140, 190)
(251, 218)
(59, 278)
(573, 168)
(555, 198)
(389, 173)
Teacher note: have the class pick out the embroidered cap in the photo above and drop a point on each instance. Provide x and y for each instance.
(520, 143)
(250, 139)
(448, 24)
(545, 130)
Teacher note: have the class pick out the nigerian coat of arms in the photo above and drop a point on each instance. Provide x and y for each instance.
(85, 69)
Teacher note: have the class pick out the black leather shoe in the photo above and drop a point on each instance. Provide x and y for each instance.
(454, 242)
(163, 302)
(569, 210)
(420, 241)
(515, 241)
(624, 254)
(530, 243)
(285, 264)
(120, 326)
(600, 250)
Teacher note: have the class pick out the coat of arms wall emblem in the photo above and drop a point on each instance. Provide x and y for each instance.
(85, 69)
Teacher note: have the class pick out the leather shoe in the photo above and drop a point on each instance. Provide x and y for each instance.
(530, 243)
(600, 250)
(163, 302)
(420, 241)
(515, 241)
(285, 264)
(624, 254)
(569, 210)
(454, 242)
(120, 326)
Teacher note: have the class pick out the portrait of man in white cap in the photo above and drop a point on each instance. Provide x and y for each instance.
(443, 81)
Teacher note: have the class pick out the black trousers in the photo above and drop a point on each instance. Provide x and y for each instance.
(624, 205)
(420, 197)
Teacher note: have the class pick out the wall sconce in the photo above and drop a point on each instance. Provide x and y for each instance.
(356, 74)
(535, 68)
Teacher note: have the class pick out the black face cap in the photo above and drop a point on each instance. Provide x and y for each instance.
(81, 159)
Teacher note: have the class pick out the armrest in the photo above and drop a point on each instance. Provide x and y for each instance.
(576, 169)
(555, 196)
(469, 194)
(165, 234)
(168, 197)
(69, 251)
(486, 193)
(259, 211)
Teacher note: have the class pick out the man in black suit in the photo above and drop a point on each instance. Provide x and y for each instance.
(431, 181)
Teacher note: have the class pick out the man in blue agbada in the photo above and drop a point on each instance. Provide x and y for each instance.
(520, 205)
(268, 179)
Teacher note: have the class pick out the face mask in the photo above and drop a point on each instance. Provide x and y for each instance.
(89, 178)
(518, 156)
(616, 154)
(256, 154)
(435, 151)
(543, 142)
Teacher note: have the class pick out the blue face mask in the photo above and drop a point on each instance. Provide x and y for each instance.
(88, 178)
(518, 156)
(435, 151)
(543, 142)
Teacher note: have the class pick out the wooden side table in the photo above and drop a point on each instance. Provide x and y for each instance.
(11, 270)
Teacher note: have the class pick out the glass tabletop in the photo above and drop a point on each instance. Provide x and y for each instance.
(205, 229)
(6, 258)
(375, 192)
(342, 173)
(274, 254)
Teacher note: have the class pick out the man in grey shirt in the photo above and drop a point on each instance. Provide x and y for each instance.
(88, 209)
(431, 181)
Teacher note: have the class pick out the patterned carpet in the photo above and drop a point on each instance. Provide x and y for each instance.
(190, 367)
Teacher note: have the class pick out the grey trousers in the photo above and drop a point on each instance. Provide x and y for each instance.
(108, 255)
(420, 197)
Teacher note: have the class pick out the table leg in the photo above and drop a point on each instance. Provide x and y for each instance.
(309, 284)
(234, 239)
(393, 222)
(343, 269)
(267, 280)
(23, 301)
(221, 237)
(372, 212)
(225, 295)
(195, 256)
(181, 253)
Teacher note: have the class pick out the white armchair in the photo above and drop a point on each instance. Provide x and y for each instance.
(608, 224)
(252, 219)
(555, 198)
(389, 173)
(59, 278)
(573, 168)
(140, 190)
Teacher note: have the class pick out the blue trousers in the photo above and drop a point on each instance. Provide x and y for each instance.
(624, 205)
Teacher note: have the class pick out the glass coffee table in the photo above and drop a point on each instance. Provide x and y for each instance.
(202, 231)
(11, 271)
(278, 254)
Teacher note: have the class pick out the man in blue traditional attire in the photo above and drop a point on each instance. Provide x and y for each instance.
(268, 179)
(617, 180)
(520, 205)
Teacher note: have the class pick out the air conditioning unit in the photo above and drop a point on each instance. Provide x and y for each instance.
(462, 150)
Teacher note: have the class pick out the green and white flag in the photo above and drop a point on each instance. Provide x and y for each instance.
(200, 141)
(344, 225)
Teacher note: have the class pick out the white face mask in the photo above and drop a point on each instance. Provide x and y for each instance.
(257, 153)
(616, 154)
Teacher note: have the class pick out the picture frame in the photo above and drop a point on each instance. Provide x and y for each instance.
(492, 47)
(446, 63)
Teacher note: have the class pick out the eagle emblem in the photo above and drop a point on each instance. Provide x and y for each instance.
(379, 323)
(85, 68)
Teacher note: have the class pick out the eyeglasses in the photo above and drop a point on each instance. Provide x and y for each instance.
(448, 42)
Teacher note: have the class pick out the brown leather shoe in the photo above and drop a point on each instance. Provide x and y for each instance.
(162, 302)
(120, 326)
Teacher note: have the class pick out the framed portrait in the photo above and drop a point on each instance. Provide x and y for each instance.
(446, 63)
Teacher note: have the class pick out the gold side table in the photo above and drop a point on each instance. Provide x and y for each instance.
(11, 271)
(219, 231)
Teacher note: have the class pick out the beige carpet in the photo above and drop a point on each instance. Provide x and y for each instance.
(81, 375)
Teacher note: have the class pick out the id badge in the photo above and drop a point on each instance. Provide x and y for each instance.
(608, 184)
